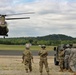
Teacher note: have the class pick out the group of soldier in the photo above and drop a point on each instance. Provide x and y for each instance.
(67, 58)
(27, 57)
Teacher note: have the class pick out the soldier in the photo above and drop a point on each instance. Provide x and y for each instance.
(43, 59)
(61, 59)
(72, 59)
(27, 56)
(67, 54)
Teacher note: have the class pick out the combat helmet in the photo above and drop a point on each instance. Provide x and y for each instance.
(74, 45)
(70, 45)
(61, 49)
(43, 46)
(27, 45)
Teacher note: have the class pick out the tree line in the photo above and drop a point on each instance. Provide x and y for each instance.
(54, 39)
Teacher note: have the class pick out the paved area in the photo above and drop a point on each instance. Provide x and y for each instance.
(12, 65)
(19, 52)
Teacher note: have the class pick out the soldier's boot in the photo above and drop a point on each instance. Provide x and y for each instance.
(65, 70)
(26, 71)
(61, 70)
(30, 70)
(69, 70)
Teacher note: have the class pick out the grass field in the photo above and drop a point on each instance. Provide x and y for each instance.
(16, 67)
(22, 47)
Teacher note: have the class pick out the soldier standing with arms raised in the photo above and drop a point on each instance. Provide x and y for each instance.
(27, 57)
(43, 59)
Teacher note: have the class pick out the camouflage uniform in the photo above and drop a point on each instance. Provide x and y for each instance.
(61, 59)
(43, 60)
(27, 56)
(72, 61)
(66, 59)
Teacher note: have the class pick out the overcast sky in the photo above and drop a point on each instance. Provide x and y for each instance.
(50, 17)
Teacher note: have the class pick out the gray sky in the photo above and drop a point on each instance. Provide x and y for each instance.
(51, 17)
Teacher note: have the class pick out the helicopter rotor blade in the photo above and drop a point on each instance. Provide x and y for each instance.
(2, 15)
(17, 18)
(20, 13)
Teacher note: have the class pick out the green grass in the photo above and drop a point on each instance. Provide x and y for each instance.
(12, 47)
(22, 47)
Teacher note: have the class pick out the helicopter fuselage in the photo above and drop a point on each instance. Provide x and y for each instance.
(3, 26)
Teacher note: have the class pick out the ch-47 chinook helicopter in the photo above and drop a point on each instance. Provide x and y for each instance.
(3, 24)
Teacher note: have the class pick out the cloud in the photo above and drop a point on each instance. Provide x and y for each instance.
(51, 16)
